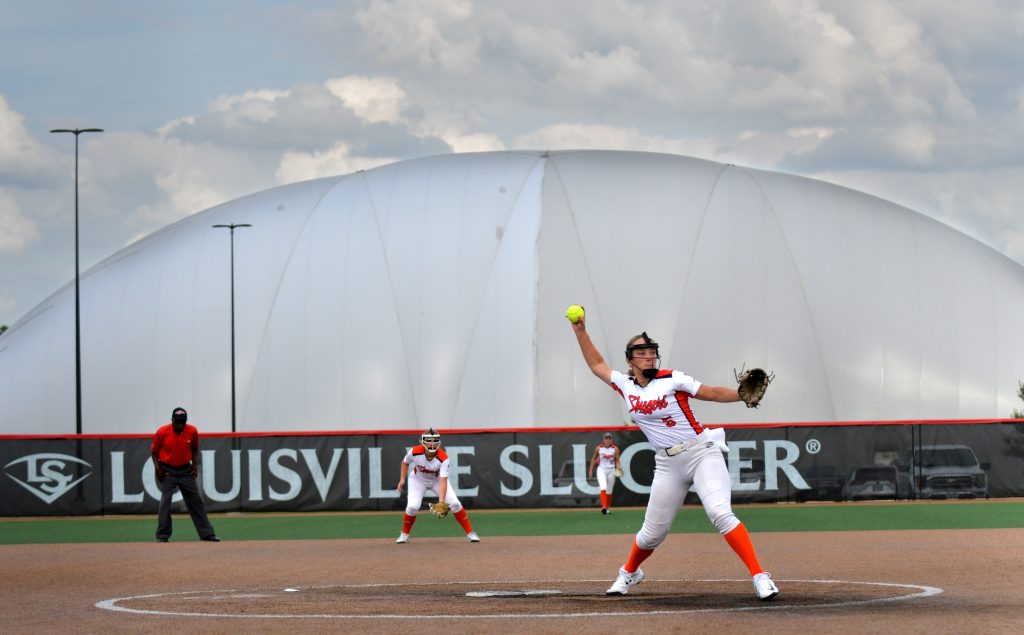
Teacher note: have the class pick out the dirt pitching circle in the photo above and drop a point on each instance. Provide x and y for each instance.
(547, 599)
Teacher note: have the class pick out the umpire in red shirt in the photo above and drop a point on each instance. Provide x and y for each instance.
(175, 451)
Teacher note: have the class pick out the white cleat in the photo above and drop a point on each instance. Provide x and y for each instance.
(624, 581)
(472, 537)
(402, 538)
(764, 586)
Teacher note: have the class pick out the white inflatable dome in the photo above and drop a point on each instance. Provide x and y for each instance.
(432, 292)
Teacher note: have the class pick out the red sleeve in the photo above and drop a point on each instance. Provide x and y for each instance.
(195, 446)
(157, 440)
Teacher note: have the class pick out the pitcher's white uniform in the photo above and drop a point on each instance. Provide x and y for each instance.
(425, 474)
(686, 455)
(662, 411)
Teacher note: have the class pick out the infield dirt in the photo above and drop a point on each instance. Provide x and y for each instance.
(829, 583)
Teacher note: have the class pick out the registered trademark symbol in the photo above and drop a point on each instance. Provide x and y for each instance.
(813, 446)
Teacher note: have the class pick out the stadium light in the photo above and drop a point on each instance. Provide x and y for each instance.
(78, 309)
(233, 227)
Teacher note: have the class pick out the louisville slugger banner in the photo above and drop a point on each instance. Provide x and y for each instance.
(513, 469)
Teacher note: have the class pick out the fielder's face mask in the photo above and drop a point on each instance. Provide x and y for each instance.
(431, 440)
(650, 348)
(179, 417)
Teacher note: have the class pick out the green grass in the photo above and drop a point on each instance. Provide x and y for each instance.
(758, 518)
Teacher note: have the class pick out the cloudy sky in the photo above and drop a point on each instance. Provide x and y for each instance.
(920, 102)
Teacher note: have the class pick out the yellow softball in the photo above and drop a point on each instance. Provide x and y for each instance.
(574, 313)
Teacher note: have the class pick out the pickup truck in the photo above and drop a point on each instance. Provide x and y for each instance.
(946, 471)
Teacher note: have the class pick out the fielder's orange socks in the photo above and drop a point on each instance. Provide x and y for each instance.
(604, 499)
(636, 556)
(463, 519)
(740, 542)
(407, 522)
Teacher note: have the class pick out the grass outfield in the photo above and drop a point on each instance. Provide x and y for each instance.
(546, 522)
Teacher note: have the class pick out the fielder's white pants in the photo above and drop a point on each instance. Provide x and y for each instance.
(606, 478)
(418, 487)
(701, 468)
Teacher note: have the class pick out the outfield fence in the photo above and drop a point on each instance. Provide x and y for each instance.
(515, 468)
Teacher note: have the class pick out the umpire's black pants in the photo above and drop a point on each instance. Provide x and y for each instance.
(181, 479)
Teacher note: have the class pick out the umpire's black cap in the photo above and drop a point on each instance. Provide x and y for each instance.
(178, 415)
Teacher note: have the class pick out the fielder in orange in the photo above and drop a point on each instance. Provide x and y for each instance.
(606, 460)
(429, 472)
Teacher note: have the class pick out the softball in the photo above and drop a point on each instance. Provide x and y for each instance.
(574, 313)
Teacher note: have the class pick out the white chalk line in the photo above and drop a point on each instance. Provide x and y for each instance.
(922, 592)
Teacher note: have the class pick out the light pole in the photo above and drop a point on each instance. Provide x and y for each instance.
(78, 310)
(232, 227)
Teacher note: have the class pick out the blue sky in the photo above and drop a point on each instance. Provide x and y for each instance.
(920, 102)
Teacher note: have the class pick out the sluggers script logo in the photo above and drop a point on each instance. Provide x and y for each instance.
(48, 476)
(646, 407)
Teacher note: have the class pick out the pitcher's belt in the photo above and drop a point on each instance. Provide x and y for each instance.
(679, 448)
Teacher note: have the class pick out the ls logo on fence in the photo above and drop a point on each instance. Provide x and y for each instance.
(47, 474)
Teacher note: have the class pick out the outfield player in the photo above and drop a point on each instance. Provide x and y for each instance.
(686, 454)
(430, 466)
(606, 459)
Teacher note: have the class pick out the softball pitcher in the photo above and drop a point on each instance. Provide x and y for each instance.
(686, 454)
(430, 472)
(606, 460)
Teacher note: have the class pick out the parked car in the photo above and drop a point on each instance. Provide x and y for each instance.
(947, 471)
(826, 484)
(872, 482)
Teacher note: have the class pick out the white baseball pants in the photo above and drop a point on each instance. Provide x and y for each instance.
(606, 478)
(418, 487)
(701, 468)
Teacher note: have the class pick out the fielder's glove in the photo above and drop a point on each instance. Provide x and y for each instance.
(440, 509)
(752, 385)
(618, 472)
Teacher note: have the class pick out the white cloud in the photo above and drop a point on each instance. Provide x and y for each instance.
(749, 147)
(429, 34)
(589, 136)
(595, 72)
(478, 142)
(248, 99)
(13, 136)
(145, 181)
(168, 128)
(914, 142)
(815, 132)
(22, 157)
(134, 182)
(302, 166)
(371, 99)
(18, 231)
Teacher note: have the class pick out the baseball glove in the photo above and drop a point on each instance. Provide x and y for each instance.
(440, 509)
(752, 385)
(619, 473)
